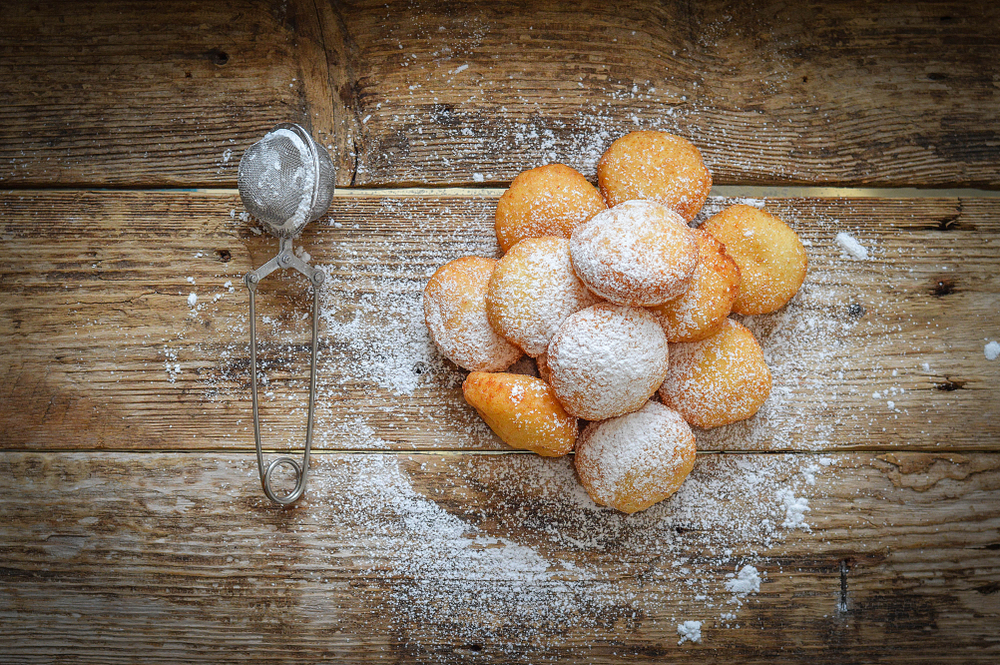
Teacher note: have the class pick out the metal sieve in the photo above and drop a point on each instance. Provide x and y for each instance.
(286, 180)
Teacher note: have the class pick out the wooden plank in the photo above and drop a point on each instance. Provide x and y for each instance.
(104, 351)
(497, 558)
(851, 93)
(111, 94)
(104, 94)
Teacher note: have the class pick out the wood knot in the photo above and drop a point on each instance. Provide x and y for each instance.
(922, 471)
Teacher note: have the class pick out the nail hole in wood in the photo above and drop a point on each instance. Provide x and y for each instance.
(856, 310)
(224, 255)
(944, 286)
(218, 57)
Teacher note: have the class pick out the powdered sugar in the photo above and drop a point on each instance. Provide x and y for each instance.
(455, 311)
(744, 582)
(992, 350)
(796, 508)
(635, 460)
(538, 565)
(533, 290)
(638, 253)
(607, 360)
(851, 246)
(690, 631)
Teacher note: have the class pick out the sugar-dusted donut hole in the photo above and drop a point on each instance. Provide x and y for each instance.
(703, 308)
(607, 360)
(635, 460)
(770, 256)
(549, 200)
(455, 312)
(720, 380)
(532, 290)
(638, 253)
(657, 166)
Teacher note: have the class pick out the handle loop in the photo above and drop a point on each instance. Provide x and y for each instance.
(284, 259)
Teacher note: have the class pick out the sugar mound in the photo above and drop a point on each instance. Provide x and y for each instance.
(795, 509)
(992, 350)
(747, 580)
(689, 631)
(850, 245)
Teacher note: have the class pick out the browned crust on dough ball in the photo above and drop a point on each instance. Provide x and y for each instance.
(523, 411)
(532, 290)
(549, 200)
(455, 313)
(720, 380)
(658, 166)
(703, 309)
(770, 256)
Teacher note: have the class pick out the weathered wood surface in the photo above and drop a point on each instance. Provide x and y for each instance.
(462, 557)
(103, 350)
(109, 94)
(113, 94)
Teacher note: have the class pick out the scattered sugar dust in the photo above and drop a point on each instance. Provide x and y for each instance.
(539, 566)
(538, 562)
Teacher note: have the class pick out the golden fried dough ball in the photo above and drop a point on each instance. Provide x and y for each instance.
(455, 312)
(657, 166)
(523, 411)
(703, 308)
(532, 290)
(550, 200)
(719, 380)
(770, 255)
(638, 253)
(607, 360)
(635, 460)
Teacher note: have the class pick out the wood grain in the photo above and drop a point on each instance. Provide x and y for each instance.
(397, 557)
(104, 351)
(850, 93)
(111, 94)
(770, 92)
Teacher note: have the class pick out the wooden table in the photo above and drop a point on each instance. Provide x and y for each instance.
(133, 526)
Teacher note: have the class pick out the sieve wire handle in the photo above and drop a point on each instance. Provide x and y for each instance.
(284, 259)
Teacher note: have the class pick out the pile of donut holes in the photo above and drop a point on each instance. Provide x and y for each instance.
(618, 300)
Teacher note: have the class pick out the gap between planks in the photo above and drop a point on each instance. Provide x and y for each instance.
(724, 191)
(456, 452)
